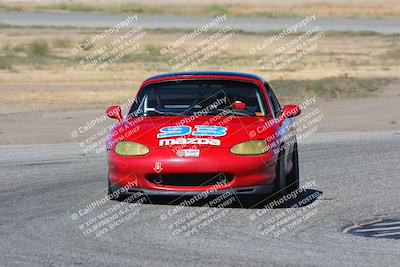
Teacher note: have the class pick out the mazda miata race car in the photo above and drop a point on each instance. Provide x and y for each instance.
(213, 132)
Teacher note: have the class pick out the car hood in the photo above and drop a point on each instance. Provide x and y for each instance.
(146, 130)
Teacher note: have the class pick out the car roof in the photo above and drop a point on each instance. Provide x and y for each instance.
(206, 73)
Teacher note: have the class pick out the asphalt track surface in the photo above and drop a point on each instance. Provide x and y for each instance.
(78, 19)
(43, 186)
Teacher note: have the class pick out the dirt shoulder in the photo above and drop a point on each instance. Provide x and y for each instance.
(377, 113)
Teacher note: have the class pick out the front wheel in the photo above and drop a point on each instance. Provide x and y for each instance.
(111, 192)
(293, 177)
(280, 179)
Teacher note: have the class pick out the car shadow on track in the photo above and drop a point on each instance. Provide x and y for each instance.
(292, 200)
(301, 199)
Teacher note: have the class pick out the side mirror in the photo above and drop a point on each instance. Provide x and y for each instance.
(114, 112)
(289, 111)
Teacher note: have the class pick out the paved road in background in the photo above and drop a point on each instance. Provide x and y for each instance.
(43, 186)
(78, 19)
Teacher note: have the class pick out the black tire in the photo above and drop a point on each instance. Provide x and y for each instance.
(110, 192)
(280, 181)
(293, 178)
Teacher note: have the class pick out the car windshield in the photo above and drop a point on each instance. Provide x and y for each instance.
(199, 97)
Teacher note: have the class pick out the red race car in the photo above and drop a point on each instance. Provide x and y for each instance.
(190, 133)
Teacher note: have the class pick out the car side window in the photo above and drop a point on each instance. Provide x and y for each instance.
(276, 106)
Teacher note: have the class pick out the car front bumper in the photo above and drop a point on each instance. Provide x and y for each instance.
(248, 174)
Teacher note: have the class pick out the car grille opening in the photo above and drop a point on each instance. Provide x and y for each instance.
(190, 179)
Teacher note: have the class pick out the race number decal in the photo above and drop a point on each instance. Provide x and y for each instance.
(172, 131)
(209, 131)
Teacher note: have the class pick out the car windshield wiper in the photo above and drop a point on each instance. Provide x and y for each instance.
(167, 113)
(231, 111)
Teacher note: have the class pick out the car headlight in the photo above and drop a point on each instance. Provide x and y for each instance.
(125, 148)
(253, 147)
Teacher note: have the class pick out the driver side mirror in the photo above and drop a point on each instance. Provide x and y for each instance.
(289, 111)
(114, 112)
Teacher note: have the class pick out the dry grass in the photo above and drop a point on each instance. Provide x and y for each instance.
(343, 9)
(341, 66)
(328, 10)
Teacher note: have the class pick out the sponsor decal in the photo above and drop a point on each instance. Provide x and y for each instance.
(198, 131)
(188, 153)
